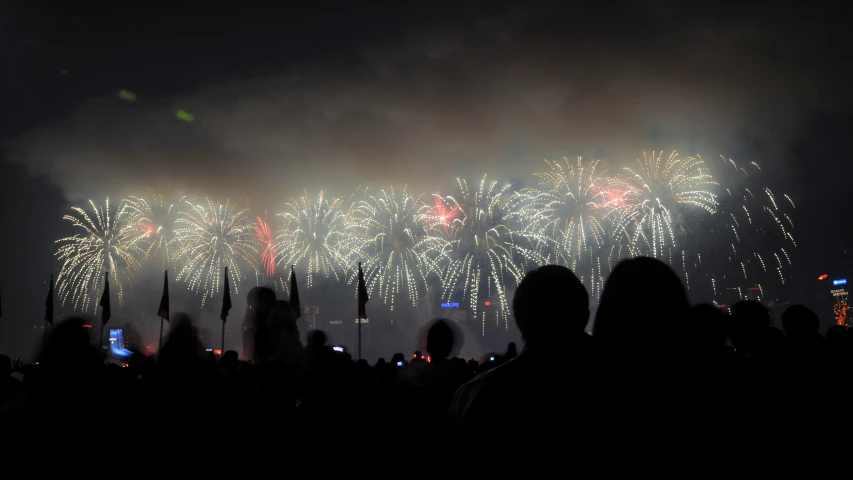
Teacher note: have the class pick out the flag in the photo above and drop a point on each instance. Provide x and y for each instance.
(226, 299)
(294, 293)
(48, 304)
(362, 294)
(163, 311)
(106, 313)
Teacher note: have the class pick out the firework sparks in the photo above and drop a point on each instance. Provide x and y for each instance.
(105, 242)
(264, 237)
(655, 190)
(398, 251)
(153, 219)
(484, 245)
(212, 237)
(758, 225)
(315, 230)
(442, 215)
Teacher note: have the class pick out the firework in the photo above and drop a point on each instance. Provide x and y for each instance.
(398, 251)
(266, 242)
(104, 242)
(571, 212)
(442, 216)
(484, 244)
(756, 227)
(315, 231)
(213, 236)
(153, 220)
(654, 192)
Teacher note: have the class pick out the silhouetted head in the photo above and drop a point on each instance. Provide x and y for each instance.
(260, 302)
(317, 338)
(643, 307)
(5, 366)
(440, 339)
(262, 298)
(511, 350)
(69, 349)
(839, 338)
(283, 316)
(772, 341)
(708, 324)
(183, 344)
(800, 323)
(229, 360)
(748, 322)
(550, 305)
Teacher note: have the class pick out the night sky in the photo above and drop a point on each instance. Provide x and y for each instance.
(333, 95)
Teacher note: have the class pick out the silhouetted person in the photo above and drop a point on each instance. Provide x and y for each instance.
(839, 345)
(257, 345)
(537, 396)
(801, 331)
(442, 337)
(708, 325)
(642, 335)
(748, 323)
(229, 361)
(757, 377)
(436, 382)
(59, 394)
(318, 355)
(709, 358)
(511, 351)
(642, 312)
(288, 352)
(184, 379)
(182, 346)
(8, 384)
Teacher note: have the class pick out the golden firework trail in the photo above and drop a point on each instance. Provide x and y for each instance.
(213, 236)
(397, 250)
(104, 241)
(316, 235)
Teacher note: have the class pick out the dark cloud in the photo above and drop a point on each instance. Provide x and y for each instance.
(494, 95)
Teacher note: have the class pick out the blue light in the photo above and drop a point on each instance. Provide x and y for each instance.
(450, 305)
(117, 344)
(842, 281)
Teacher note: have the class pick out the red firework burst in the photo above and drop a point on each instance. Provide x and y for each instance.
(265, 238)
(442, 213)
(147, 227)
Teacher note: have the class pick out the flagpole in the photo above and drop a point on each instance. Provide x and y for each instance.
(164, 308)
(226, 307)
(103, 324)
(48, 314)
(160, 344)
(359, 321)
(222, 338)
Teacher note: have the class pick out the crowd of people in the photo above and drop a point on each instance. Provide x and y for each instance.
(659, 386)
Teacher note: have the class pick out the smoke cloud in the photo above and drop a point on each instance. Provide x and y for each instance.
(493, 96)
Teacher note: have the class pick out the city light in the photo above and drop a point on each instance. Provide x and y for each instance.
(840, 281)
(450, 305)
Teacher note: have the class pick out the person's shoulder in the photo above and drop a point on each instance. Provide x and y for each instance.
(490, 378)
